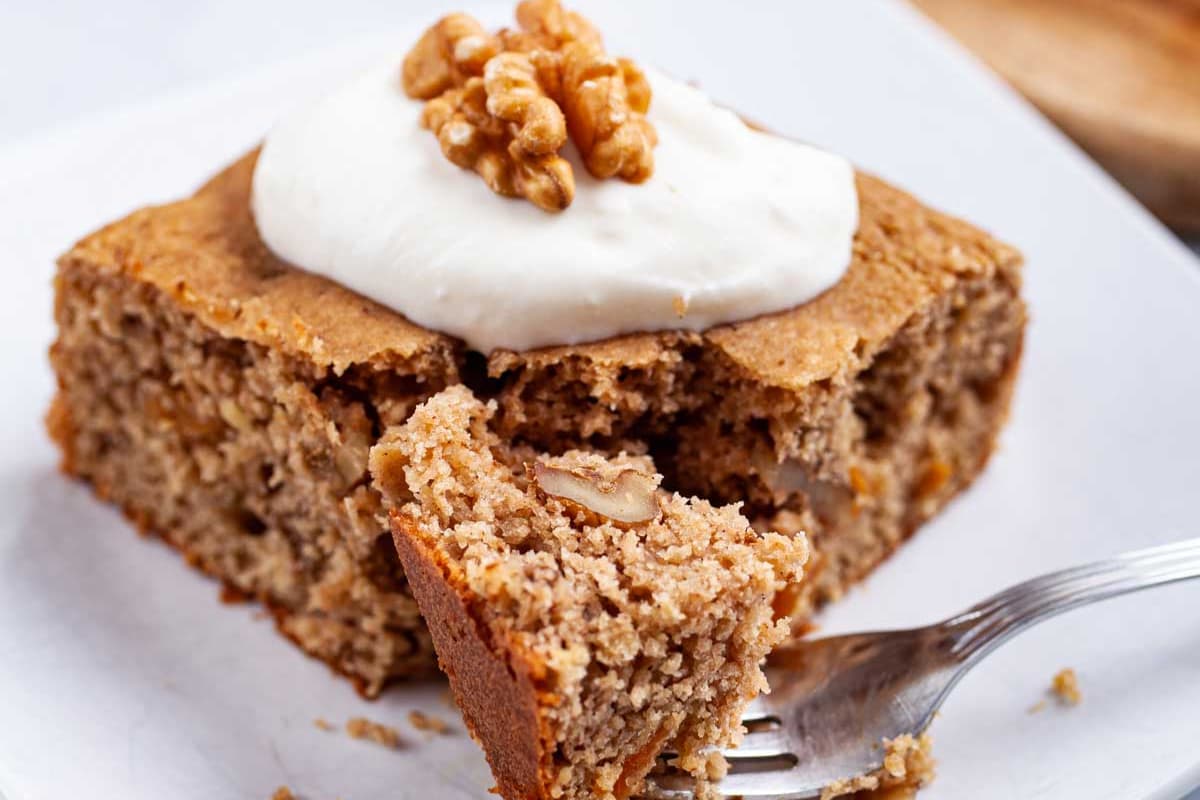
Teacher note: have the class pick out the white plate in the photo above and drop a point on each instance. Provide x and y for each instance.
(121, 676)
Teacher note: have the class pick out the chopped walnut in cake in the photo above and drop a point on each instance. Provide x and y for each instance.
(505, 104)
(626, 496)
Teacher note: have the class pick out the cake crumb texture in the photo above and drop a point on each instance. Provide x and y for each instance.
(907, 765)
(283, 793)
(612, 642)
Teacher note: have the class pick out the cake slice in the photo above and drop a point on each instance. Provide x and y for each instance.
(226, 401)
(587, 619)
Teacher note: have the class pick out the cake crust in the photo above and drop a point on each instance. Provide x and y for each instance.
(493, 686)
(205, 253)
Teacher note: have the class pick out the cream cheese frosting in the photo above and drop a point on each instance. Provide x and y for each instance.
(733, 223)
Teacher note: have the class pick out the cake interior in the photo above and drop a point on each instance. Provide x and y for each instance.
(622, 639)
(250, 460)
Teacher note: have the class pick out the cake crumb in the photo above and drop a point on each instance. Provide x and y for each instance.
(1066, 687)
(907, 766)
(679, 305)
(893, 764)
(584, 533)
(323, 724)
(283, 793)
(425, 722)
(363, 728)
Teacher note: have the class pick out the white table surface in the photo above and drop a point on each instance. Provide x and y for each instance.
(65, 59)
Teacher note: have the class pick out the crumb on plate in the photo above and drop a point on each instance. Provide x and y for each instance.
(426, 722)
(1066, 687)
(363, 728)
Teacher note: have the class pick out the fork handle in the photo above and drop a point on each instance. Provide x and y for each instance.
(988, 624)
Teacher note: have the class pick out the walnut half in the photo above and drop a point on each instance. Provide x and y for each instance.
(505, 104)
(631, 497)
(456, 48)
(471, 137)
(612, 137)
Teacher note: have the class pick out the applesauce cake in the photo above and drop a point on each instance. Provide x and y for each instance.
(587, 620)
(227, 399)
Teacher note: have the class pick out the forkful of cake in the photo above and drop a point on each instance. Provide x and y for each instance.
(847, 713)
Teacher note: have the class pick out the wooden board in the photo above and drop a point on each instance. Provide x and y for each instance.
(1121, 77)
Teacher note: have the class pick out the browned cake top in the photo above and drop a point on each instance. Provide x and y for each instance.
(205, 251)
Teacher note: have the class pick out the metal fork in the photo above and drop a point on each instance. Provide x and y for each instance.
(834, 700)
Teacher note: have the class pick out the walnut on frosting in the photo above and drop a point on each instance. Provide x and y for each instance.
(548, 20)
(504, 104)
(514, 95)
(473, 138)
(453, 50)
(612, 137)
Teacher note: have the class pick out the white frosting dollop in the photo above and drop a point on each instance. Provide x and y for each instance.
(733, 223)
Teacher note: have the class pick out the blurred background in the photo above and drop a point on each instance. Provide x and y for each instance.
(1121, 77)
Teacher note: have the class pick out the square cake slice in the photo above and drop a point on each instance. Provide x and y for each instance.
(226, 400)
(587, 619)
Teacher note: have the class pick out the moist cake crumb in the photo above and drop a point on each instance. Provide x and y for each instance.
(427, 722)
(363, 728)
(907, 765)
(579, 646)
(283, 793)
(323, 724)
(1065, 687)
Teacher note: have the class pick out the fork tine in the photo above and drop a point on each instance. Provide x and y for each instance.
(757, 710)
(748, 786)
(766, 784)
(760, 744)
